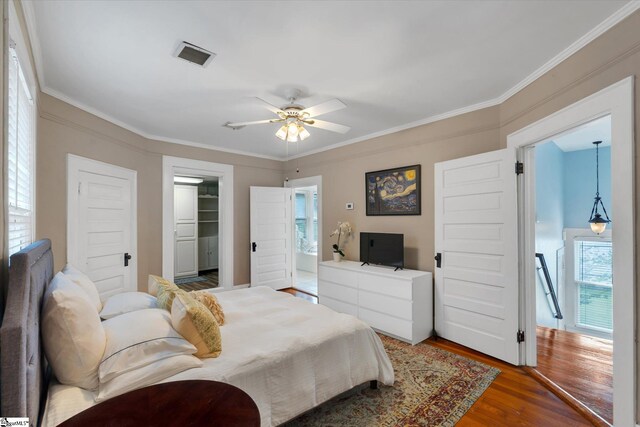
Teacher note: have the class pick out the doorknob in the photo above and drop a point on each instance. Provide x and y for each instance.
(438, 259)
(253, 246)
(127, 257)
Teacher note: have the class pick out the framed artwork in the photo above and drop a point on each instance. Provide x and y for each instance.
(393, 191)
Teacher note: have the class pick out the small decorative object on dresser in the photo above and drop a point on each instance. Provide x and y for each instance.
(344, 228)
(396, 303)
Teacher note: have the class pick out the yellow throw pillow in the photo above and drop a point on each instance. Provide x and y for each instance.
(156, 281)
(211, 302)
(196, 324)
(165, 295)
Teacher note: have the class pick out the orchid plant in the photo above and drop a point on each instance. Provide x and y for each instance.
(344, 228)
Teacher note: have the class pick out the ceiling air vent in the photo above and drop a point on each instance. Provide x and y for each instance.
(194, 54)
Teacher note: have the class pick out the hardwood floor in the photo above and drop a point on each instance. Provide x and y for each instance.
(513, 399)
(579, 364)
(299, 294)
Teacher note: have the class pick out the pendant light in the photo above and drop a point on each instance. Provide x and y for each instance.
(597, 222)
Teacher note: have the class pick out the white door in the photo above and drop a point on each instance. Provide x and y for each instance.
(271, 237)
(185, 214)
(476, 236)
(101, 226)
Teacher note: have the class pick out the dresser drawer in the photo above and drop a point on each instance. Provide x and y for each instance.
(392, 325)
(339, 306)
(398, 288)
(342, 277)
(387, 305)
(337, 292)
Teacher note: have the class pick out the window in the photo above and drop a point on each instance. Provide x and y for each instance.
(306, 210)
(594, 284)
(301, 216)
(20, 158)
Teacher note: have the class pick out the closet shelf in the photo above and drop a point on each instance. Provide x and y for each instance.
(209, 221)
(207, 196)
(207, 210)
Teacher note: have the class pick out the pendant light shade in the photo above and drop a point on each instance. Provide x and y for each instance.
(596, 221)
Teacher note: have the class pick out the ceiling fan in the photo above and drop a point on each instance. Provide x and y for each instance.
(294, 117)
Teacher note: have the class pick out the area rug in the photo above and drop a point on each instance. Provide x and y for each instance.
(190, 280)
(432, 387)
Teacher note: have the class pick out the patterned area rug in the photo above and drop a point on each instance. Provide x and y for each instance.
(432, 388)
(190, 280)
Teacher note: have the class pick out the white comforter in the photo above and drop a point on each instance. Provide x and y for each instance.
(287, 354)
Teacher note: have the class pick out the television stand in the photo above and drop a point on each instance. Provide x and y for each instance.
(364, 263)
(398, 268)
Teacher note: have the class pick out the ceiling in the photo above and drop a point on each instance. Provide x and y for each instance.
(395, 64)
(582, 137)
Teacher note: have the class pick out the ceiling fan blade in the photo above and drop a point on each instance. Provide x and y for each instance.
(270, 106)
(257, 122)
(333, 127)
(324, 108)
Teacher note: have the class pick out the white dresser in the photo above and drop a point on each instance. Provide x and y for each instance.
(396, 303)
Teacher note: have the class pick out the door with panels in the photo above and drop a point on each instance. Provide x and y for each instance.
(185, 230)
(270, 229)
(101, 224)
(476, 240)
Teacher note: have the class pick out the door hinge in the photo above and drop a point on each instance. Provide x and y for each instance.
(520, 336)
(79, 185)
(519, 168)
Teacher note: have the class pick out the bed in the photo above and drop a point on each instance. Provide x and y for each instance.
(287, 354)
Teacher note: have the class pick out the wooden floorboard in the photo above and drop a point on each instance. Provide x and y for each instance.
(300, 294)
(513, 399)
(579, 364)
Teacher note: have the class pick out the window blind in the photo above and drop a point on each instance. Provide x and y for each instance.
(21, 141)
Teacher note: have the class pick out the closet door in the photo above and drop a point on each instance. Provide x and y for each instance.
(186, 230)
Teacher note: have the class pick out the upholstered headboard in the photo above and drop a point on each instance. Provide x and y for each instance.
(23, 368)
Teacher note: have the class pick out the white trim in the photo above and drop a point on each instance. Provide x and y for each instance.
(616, 100)
(306, 182)
(597, 31)
(76, 164)
(179, 165)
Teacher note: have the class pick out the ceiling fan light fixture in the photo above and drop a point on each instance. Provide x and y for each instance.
(292, 138)
(292, 129)
(282, 133)
(303, 133)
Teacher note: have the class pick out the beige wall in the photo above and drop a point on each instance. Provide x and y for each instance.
(64, 129)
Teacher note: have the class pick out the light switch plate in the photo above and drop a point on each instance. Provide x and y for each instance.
(349, 206)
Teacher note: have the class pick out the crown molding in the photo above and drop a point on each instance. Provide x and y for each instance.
(594, 33)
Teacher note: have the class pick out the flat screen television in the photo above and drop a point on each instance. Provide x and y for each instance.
(382, 249)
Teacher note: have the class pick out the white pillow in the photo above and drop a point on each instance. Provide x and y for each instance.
(82, 280)
(137, 339)
(72, 333)
(125, 302)
(147, 375)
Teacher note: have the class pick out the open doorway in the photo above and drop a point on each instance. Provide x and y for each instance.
(215, 196)
(196, 231)
(574, 264)
(307, 232)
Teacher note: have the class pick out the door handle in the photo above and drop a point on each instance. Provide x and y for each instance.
(127, 257)
(253, 246)
(438, 259)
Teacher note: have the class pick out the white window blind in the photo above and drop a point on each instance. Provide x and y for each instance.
(21, 148)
